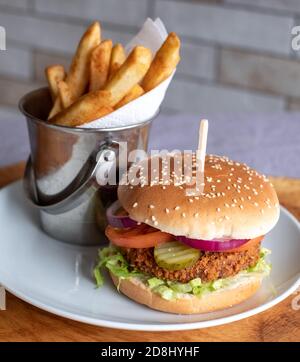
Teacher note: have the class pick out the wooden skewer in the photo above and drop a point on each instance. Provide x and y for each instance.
(201, 151)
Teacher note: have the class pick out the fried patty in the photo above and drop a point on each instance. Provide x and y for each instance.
(211, 265)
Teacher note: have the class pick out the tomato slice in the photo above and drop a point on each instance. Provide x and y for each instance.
(247, 245)
(141, 236)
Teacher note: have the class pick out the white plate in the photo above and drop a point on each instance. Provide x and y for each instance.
(57, 277)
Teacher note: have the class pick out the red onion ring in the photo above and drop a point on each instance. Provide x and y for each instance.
(118, 221)
(212, 245)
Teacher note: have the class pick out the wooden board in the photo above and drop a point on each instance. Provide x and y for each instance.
(23, 322)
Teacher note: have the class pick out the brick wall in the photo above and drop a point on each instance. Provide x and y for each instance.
(236, 54)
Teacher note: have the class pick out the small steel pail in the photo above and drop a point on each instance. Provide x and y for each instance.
(60, 176)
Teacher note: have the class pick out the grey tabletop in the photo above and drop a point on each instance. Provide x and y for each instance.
(268, 142)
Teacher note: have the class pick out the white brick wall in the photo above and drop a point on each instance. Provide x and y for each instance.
(19, 4)
(206, 98)
(228, 26)
(236, 54)
(40, 33)
(16, 62)
(285, 5)
(265, 73)
(198, 61)
(125, 12)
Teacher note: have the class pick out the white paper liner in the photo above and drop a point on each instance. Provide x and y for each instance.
(151, 35)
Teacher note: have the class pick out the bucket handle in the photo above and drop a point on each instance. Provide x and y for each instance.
(75, 193)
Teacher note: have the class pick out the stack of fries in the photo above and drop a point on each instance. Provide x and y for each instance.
(102, 79)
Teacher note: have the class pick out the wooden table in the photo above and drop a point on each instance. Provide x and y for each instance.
(23, 322)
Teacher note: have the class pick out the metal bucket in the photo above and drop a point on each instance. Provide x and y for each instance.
(60, 176)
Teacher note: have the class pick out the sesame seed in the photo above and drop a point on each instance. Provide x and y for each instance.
(218, 180)
(241, 207)
(196, 214)
(153, 218)
(227, 217)
(249, 197)
(232, 205)
(155, 223)
(234, 200)
(151, 206)
(191, 200)
(183, 214)
(167, 210)
(262, 211)
(228, 187)
(256, 204)
(135, 204)
(226, 205)
(218, 209)
(177, 208)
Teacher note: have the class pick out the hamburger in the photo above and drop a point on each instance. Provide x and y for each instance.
(186, 253)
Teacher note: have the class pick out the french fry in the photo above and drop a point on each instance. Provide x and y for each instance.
(118, 57)
(99, 67)
(129, 74)
(134, 93)
(57, 107)
(164, 62)
(65, 95)
(54, 74)
(78, 75)
(91, 106)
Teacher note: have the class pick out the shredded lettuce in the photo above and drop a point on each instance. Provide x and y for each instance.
(113, 260)
(195, 282)
(165, 292)
(155, 282)
(180, 287)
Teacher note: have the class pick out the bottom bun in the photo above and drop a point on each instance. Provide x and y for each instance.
(223, 298)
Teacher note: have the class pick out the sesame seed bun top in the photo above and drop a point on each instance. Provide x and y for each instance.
(233, 200)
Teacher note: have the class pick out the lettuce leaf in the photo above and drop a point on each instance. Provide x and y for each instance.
(113, 260)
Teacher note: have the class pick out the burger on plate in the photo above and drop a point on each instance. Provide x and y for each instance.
(190, 254)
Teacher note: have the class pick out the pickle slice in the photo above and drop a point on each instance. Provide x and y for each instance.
(175, 255)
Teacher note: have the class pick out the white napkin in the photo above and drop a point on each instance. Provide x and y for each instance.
(151, 35)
